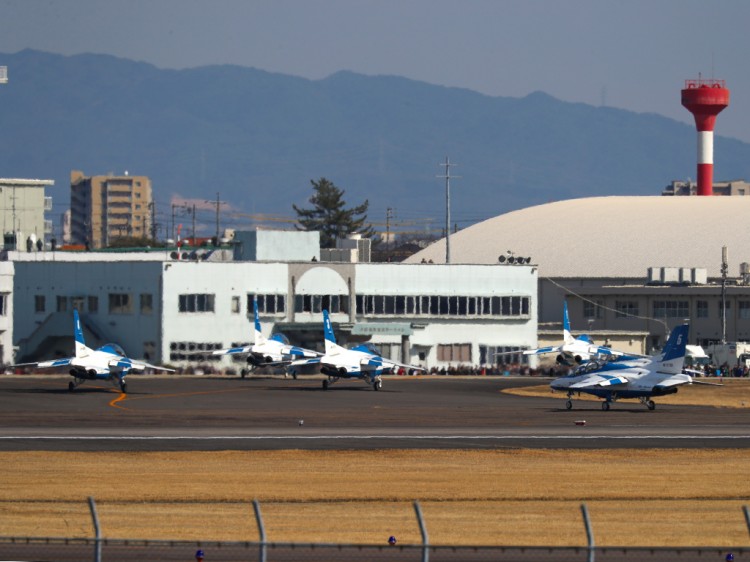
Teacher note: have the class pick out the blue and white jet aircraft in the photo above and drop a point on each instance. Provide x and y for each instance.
(637, 377)
(361, 362)
(573, 351)
(267, 352)
(108, 362)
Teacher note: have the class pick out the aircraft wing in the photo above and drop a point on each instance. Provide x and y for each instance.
(47, 364)
(599, 381)
(128, 364)
(397, 365)
(299, 351)
(311, 361)
(233, 350)
(540, 351)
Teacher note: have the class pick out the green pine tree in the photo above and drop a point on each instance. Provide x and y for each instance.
(330, 216)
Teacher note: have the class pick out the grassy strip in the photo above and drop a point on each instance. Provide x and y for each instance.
(520, 497)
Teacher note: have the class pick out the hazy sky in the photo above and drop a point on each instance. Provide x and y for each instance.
(633, 54)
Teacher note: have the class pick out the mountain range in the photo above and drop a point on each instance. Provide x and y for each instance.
(257, 139)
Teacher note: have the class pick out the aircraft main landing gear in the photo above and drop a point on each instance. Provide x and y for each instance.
(569, 405)
(648, 403)
(605, 405)
(377, 385)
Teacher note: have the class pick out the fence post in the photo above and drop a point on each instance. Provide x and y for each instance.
(423, 530)
(97, 531)
(261, 530)
(747, 517)
(589, 532)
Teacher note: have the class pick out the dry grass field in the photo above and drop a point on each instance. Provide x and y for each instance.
(490, 497)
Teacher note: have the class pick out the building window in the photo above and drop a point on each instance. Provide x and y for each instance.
(267, 304)
(490, 355)
(149, 350)
(592, 309)
(235, 305)
(743, 309)
(624, 309)
(332, 303)
(199, 302)
(454, 352)
(4, 304)
(62, 304)
(671, 309)
(120, 303)
(93, 304)
(147, 303)
(701, 309)
(39, 304)
(77, 303)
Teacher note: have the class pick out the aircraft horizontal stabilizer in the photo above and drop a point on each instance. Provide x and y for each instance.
(674, 380)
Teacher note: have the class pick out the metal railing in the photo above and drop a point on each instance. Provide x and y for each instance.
(263, 550)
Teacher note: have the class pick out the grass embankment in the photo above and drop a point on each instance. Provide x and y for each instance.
(511, 497)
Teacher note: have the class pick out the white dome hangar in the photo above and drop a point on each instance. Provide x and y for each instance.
(609, 237)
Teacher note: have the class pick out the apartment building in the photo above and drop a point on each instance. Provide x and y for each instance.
(105, 208)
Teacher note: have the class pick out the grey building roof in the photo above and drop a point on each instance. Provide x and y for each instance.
(616, 237)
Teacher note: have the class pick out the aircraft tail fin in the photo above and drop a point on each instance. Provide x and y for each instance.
(81, 349)
(259, 337)
(672, 358)
(567, 336)
(330, 338)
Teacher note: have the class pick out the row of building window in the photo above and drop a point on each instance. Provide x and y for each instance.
(193, 351)
(118, 303)
(665, 309)
(488, 354)
(370, 305)
(376, 305)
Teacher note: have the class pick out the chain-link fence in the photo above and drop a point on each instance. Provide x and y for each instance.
(98, 548)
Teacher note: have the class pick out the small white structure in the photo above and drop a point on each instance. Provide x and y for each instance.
(23, 204)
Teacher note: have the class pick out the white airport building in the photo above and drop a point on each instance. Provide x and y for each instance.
(177, 311)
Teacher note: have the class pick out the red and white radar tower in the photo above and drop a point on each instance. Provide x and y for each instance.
(705, 99)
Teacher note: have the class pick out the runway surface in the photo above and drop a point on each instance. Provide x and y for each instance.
(172, 413)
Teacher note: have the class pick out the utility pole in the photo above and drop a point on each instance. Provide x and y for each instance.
(218, 204)
(724, 271)
(193, 224)
(152, 206)
(388, 217)
(447, 178)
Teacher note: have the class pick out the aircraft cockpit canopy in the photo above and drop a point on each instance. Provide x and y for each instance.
(281, 338)
(367, 348)
(113, 348)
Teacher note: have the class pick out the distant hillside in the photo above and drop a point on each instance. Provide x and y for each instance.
(259, 138)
